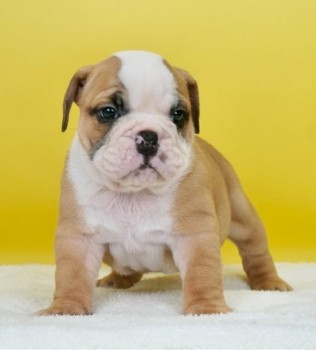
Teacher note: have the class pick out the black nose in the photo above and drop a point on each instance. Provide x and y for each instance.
(147, 143)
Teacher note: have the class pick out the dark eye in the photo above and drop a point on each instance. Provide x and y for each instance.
(178, 115)
(107, 114)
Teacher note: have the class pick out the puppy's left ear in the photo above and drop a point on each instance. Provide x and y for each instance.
(73, 93)
(194, 98)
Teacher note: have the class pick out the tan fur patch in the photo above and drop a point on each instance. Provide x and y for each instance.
(191, 99)
(101, 84)
(202, 199)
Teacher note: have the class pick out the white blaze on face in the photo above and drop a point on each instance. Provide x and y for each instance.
(151, 92)
(150, 84)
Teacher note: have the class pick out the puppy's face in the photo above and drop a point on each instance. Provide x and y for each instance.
(137, 120)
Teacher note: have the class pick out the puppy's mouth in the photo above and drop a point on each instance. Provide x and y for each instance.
(145, 174)
(147, 164)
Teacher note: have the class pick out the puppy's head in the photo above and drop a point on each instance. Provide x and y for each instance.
(138, 115)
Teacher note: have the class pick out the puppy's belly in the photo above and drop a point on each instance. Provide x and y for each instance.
(149, 257)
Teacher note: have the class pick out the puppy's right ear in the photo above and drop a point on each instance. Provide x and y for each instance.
(73, 93)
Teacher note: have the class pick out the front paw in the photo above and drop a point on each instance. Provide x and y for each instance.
(270, 283)
(65, 307)
(206, 309)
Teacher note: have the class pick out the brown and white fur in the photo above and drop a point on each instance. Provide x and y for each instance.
(144, 203)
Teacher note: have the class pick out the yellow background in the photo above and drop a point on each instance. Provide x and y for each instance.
(255, 64)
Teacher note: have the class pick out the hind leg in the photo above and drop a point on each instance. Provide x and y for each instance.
(115, 280)
(248, 233)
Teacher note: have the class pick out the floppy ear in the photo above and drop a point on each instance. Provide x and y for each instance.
(73, 93)
(194, 98)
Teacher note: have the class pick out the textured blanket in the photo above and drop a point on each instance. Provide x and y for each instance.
(148, 315)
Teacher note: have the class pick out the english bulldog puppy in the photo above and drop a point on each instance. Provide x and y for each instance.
(142, 193)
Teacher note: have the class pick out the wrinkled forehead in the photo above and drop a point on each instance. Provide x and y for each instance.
(148, 81)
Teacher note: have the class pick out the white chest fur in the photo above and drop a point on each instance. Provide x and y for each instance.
(135, 227)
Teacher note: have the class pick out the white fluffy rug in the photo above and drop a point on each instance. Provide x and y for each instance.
(148, 315)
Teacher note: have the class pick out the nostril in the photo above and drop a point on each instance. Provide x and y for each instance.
(147, 142)
(149, 136)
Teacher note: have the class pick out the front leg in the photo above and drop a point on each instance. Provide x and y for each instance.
(198, 259)
(78, 259)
